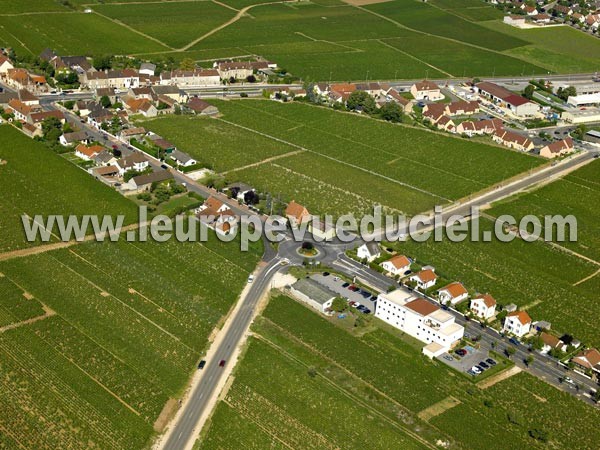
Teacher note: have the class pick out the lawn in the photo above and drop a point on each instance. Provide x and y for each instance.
(175, 24)
(535, 276)
(424, 165)
(577, 193)
(302, 375)
(131, 321)
(41, 182)
(75, 33)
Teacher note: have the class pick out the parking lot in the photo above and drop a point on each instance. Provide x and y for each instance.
(464, 363)
(336, 285)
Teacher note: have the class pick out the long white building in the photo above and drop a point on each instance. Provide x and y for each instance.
(421, 319)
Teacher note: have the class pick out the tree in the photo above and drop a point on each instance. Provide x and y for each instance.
(528, 91)
(251, 79)
(510, 351)
(565, 93)
(391, 112)
(187, 64)
(251, 198)
(66, 77)
(103, 62)
(52, 129)
(529, 360)
(539, 434)
(312, 371)
(115, 124)
(361, 101)
(105, 101)
(177, 110)
(339, 304)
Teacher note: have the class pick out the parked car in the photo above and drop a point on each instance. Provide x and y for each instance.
(476, 369)
(448, 358)
(250, 278)
(222, 363)
(461, 352)
(480, 368)
(326, 274)
(352, 303)
(356, 305)
(365, 311)
(373, 298)
(490, 361)
(484, 365)
(201, 365)
(345, 285)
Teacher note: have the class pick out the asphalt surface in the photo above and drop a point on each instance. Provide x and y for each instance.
(185, 429)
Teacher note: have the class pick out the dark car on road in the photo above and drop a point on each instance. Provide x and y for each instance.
(326, 274)
(201, 364)
(514, 341)
(222, 363)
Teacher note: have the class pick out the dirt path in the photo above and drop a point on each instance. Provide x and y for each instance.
(438, 408)
(234, 19)
(589, 277)
(58, 245)
(498, 378)
(124, 25)
(265, 161)
(47, 313)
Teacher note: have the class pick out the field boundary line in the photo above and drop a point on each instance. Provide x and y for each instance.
(130, 28)
(224, 5)
(371, 147)
(414, 57)
(589, 277)
(37, 13)
(395, 424)
(241, 13)
(505, 374)
(401, 183)
(264, 161)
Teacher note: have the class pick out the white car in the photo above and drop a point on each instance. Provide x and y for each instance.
(476, 370)
(250, 278)
(356, 305)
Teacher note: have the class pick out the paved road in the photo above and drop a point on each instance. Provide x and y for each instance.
(185, 429)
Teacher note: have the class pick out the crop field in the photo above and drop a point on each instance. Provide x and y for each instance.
(16, 7)
(577, 193)
(41, 182)
(175, 24)
(473, 10)
(559, 49)
(406, 157)
(275, 402)
(126, 325)
(220, 145)
(544, 280)
(75, 33)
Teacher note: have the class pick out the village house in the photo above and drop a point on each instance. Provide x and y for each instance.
(5, 65)
(434, 112)
(144, 182)
(396, 265)
(425, 279)
(578, 17)
(217, 215)
(558, 148)
(195, 77)
(79, 137)
(517, 323)
(529, 10)
(105, 158)
(420, 319)
(513, 140)
(20, 110)
(88, 153)
(453, 293)
(296, 214)
(182, 159)
(31, 131)
(517, 104)
(340, 92)
(143, 106)
(238, 70)
(202, 107)
(480, 127)
(28, 98)
(426, 90)
(588, 361)
(462, 108)
(593, 21)
(445, 123)
(108, 174)
(542, 18)
(37, 118)
(515, 20)
(483, 306)
(368, 251)
(170, 91)
(394, 96)
(22, 79)
(550, 342)
(131, 133)
(147, 69)
(136, 161)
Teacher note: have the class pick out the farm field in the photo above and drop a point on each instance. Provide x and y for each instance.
(47, 184)
(545, 281)
(473, 10)
(75, 33)
(399, 157)
(125, 329)
(14, 7)
(274, 401)
(559, 49)
(576, 194)
(175, 24)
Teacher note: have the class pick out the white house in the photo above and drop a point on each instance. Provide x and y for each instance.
(424, 279)
(453, 293)
(135, 161)
(426, 90)
(182, 159)
(483, 306)
(88, 153)
(369, 251)
(147, 69)
(396, 265)
(5, 64)
(421, 319)
(517, 323)
(78, 137)
(550, 342)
